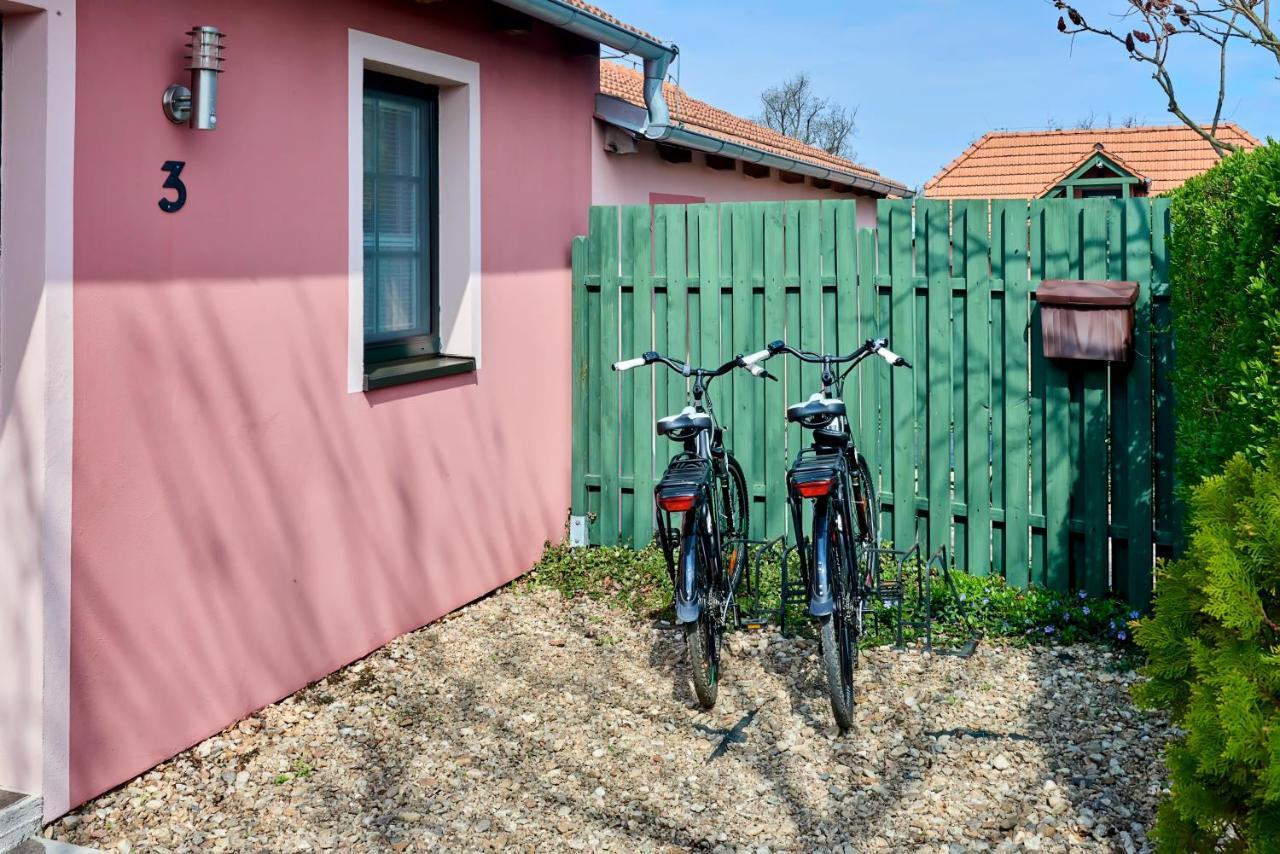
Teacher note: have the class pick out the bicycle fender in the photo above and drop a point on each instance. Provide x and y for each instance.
(821, 602)
(688, 600)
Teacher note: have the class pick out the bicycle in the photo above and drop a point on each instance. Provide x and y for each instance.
(705, 556)
(840, 571)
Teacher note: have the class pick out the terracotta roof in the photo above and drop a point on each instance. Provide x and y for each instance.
(1011, 164)
(605, 16)
(692, 114)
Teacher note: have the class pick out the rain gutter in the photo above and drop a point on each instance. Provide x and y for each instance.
(657, 56)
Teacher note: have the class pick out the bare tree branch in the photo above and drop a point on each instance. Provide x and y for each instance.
(792, 108)
(1159, 22)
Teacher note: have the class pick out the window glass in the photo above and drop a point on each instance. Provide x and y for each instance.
(399, 216)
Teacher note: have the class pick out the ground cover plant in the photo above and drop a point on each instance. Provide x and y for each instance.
(636, 581)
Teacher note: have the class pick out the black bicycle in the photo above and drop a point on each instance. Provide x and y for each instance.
(841, 560)
(704, 484)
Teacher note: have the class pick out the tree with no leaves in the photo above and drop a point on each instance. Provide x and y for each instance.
(1147, 29)
(794, 109)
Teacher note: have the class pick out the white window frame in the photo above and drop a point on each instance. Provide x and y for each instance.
(459, 189)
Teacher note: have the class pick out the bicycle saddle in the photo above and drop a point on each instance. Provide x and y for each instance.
(684, 424)
(817, 411)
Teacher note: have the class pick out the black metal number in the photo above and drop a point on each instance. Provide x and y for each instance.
(173, 182)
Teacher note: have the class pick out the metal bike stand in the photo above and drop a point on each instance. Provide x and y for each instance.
(757, 616)
(889, 588)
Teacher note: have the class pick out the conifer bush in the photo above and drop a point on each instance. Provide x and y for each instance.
(1213, 647)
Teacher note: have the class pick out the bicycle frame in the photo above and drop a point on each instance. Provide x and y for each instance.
(829, 464)
(692, 476)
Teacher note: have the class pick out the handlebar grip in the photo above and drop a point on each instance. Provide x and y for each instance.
(628, 364)
(755, 358)
(892, 358)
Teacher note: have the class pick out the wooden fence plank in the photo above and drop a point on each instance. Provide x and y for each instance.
(810, 294)
(775, 308)
(1168, 515)
(1059, 221)
(869, 326)
(610, 294)
(740, 432)
(1093, 462)
(977, 361)
(1012, 248)
(1133, 577)
(902, 277)
(1117, 391)
(677, 304)
(933, 221)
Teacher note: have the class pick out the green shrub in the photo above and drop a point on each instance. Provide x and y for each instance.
(1225, 270)
(633, 580)
(1214, 663)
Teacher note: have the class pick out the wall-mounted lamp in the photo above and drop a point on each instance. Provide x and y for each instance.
(198, 106)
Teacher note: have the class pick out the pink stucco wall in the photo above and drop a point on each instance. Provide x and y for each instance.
(631, 179)
(242, 524)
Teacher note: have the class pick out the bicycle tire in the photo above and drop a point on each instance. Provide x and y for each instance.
(702, 639)
(838, 630)
(735, 527)
(868, 521)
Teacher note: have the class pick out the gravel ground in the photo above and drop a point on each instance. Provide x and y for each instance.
(530, 723)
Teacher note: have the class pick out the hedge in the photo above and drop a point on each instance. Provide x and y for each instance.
(1225, 271)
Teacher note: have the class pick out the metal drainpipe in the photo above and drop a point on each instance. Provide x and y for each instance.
(656, 55)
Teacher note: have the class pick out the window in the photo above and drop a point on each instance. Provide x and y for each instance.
(401, 274)
(413, 216)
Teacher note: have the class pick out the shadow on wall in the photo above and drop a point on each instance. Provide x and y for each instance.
(244, 526)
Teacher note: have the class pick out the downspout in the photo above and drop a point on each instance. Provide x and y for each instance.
(656, 55)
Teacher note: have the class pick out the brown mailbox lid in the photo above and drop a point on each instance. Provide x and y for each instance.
(1090, 294)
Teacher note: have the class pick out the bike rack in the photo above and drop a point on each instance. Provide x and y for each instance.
(909, 568)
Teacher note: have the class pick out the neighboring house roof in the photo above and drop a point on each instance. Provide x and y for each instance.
(626, 84)
(1028, 164)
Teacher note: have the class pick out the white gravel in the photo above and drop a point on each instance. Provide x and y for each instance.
(526, 722)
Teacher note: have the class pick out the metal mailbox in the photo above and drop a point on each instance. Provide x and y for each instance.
(1087, 321)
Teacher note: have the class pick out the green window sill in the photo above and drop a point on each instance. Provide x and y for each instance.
(402, 371)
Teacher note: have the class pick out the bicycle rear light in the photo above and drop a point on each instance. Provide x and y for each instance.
(814, 488)
(676, 503)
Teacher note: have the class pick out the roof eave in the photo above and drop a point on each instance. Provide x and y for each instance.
(583, 23)
(623, 114)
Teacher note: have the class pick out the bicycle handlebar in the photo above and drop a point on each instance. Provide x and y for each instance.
(686, 370)
(879, 346)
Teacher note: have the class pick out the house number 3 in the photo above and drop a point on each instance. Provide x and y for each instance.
(173, 182)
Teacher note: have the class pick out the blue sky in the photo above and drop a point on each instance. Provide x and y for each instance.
(930, 76)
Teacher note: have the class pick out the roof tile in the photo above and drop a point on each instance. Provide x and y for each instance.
(1028, 164)
(628, 85)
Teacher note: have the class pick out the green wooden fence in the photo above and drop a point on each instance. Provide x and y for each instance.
(1040, 471)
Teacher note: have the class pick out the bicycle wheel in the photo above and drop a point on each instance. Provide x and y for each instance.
(839, 632)
(733, 514)
(702, 637)
(867, 519)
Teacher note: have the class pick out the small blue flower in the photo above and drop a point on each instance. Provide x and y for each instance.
(1122, 635)
(1133, 615)
(1086, 610)
(1048, 630)
(1113, 625)
(1083, 594)
(986, 600)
